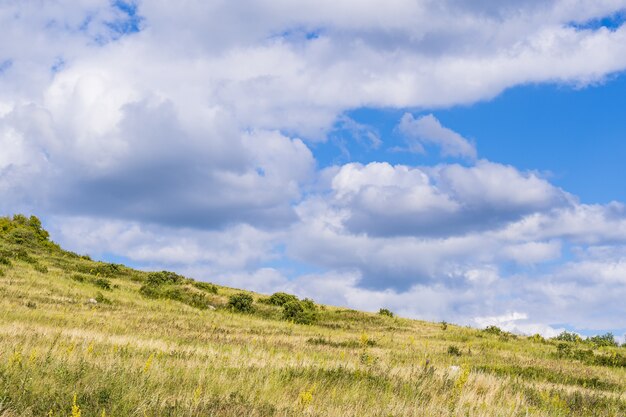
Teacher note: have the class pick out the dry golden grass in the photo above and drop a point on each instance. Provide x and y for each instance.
(63, 355)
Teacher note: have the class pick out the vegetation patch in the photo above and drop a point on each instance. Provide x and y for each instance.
(241, 303)
(300, 312)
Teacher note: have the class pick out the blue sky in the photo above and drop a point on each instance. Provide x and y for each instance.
(449, 160)
(574, 135)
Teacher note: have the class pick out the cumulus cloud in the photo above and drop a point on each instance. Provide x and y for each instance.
(427, 130)
(381, 199)
(191, 149)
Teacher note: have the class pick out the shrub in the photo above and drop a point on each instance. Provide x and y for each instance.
(163, 278)
(177, 293)
(40, 268)
(5, 260)
(105, 284)
(454, 351)
(566, 336)
(105, 269)
(444, 325)
(603, 340)
(281, 298)
(23, 255)
(301, 312)
(205, 286)
(307, 303)
(100, 298)
(240, 302)
(493, 330)
(385, 312)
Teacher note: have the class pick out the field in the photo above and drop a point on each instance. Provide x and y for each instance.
(84, 338)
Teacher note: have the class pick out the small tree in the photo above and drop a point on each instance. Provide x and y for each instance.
(281, 298)
(603, 340)
(385, 312)
(240, 302)
(301, 312)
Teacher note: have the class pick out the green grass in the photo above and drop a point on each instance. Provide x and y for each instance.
(70, 327)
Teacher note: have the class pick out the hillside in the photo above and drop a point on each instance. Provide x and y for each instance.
(85, 338)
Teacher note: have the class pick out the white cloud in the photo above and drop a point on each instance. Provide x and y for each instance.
(181, 144)
(427, 130)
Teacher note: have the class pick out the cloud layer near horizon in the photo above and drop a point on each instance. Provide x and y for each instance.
(182, 137)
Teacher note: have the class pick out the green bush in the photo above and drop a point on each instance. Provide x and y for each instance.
(103, 283)
(164, 278)
(454, 351)
(177, 293)
(22, 255)
(385, 312)
(100, 298)
(240, 302)
(493, 330)
(603, 340)
(205, 286)
(280, 299)
(40, 268)
(4, 260)
(301, 312)
(566, 336)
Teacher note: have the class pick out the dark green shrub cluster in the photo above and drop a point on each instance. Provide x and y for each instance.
(177, 293)
(606, 339)
(101, 299)
(170, 285)
(164, 278)
(205, 286)
(566, 336)
(240, 302)
(22, 230)
(4, 260)
(454, 351)
(493, 330)
(385, 312)
(40, 268)
(280, 299)
(22, 255)
(301, 312)
(106, 269)
(613, 359)
(103, 283)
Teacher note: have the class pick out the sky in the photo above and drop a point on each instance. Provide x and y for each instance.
(446, 159)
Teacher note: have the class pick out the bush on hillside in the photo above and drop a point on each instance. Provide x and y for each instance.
(280, 299)
(205, 286)
(240, 302)
(603, 340)
(385, 312)
(566, 336)
(21, 229)
(454, 351)
(164, 278)
(301, 312)
(103, 283)
(493, 330)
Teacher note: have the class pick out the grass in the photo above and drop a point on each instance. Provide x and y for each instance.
(79, 337)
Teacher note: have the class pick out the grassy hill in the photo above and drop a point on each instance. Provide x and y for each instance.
(85, 338)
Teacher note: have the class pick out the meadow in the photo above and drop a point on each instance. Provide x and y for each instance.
(86, 338)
